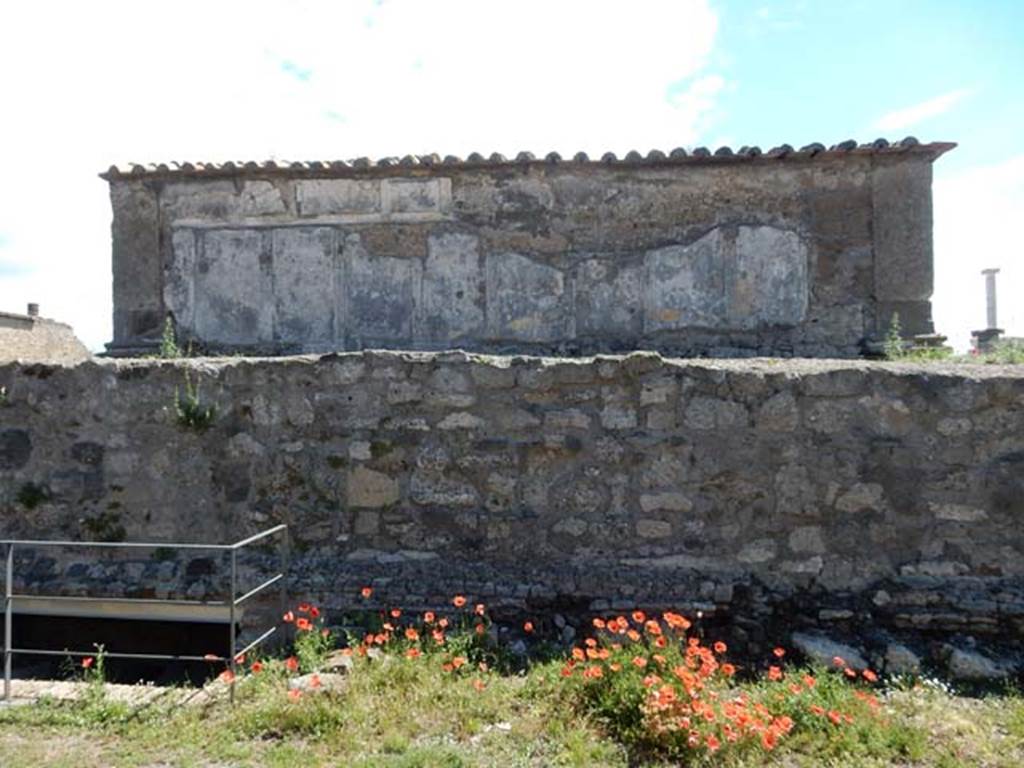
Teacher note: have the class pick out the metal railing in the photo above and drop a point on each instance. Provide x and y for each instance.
(236, 600)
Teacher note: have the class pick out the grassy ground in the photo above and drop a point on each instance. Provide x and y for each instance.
(409, 712)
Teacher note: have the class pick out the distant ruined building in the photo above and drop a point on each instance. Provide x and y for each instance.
(786, 252)
(30, 338)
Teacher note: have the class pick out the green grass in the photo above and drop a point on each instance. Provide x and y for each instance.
(401, 712)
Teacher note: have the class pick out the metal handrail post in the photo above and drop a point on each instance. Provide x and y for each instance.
(285, 554)
(233, 663)
(8, 616)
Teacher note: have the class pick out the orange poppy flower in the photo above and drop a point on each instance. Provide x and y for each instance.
(447, 667)
(593, 672)
(578, 654)
(769, 739)
(458, 601)
(396, 612)
(411, 634)
(458, 661)
(295, 694)
(633, 635)
(302, 624)
(809, 681)
(366, 592)
(779, 652)
(442, 622)
(598, 623)
(661, 642)
(653, 628)
(528, 627)
(870, 676)
(288, 618)
(428, 617)
(615, 666)
(639, 661)
(639, 617)
(292, 664)
(413, 653)
(87, 662)
(303, 607)
(590, 642)
(850, 673)
(712, 743)
(728, 670)
(256, 667)
(774, 673)
(720, 647)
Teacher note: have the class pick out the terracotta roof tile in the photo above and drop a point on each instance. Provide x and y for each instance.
(676, 156)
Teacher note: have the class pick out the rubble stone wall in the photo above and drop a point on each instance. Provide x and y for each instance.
(815, 492)
(724, 256)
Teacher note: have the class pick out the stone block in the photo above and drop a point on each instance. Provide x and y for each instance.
(667, 501)
(609, 299)
(136, 260)
(653, 529)
(526, 300)
(768, 285)
(320, 197)
(305, 285)
(379, 295)
(369, 488)
(416, 195)
(234, 294)
(684, 285)
(453, 290)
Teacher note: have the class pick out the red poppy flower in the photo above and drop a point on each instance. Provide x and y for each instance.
(302, 624)
(779, 652)
(413, 653)
(396, 612)
(528, 627)
(411, 634)
(428, 617)
(87, 662)
(458, 601)
(366, 592)
(256, 667)
(288, 618)
(304, 607)
(314, 612)
(292, 664)
(295, 694)
(598, 623)
(870, 676)
(639, 617)
(720, 647)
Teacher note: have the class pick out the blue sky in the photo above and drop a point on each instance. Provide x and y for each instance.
(88, 84)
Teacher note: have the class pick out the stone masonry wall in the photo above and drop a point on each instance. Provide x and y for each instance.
(805, 254)
(811, 492)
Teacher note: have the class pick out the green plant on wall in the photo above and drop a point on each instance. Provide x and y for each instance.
(894, 339)
(189, 410)
(168, 341)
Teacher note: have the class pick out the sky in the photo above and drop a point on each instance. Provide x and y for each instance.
(85, 85)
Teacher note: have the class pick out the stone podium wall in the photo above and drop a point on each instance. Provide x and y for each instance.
(816, 492)
(788, 253)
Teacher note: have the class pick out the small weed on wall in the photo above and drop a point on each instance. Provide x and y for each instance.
(189, 411)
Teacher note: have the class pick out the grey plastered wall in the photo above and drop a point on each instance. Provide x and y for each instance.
(723, 256)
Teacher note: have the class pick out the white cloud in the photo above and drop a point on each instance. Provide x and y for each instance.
(974, 213)
(89, 84)
(910, 116)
